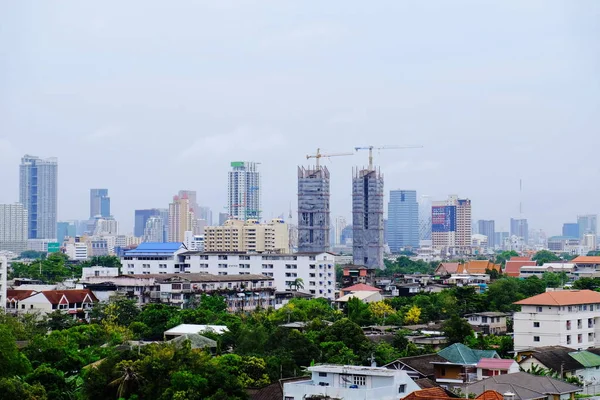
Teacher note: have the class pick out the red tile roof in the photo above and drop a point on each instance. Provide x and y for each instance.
(495, 363)
(562, 298)
(520, 259)
(360, 287)
(72, 296)
(513, 268)
(450, 268)
(18, 295)
(438, 393)
(478, 267)
(586, 260)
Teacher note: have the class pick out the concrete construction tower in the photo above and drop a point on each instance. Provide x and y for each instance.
(244, 201)
(313, 209)
(367, 218)
(38, 193)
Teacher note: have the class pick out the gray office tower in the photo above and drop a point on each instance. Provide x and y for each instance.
(38, 194)
(487, 228)
(403, 220)
(519, 228)
(313, 209)
(99, 203)
(367, 218)
(570, 229)
(587, 224)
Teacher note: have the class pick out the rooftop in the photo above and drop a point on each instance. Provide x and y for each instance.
(562, 298)
(458, 353)
(525, 386)
(556, 358)
(361, 287)
(196, 277)
(156, 248)
(421, 364)
(495, 363)
(586, 358)
(353, 369)
(513, 267)
(72, 296)
(187, 329)
(361, 295)
(586, 260)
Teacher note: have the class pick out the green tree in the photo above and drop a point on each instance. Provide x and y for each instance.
(33, 255)
(16, 388)
(457, 329)
(338, 353)
(159, 318)
(52, 380)
(587, 283)
(347, 332)
(359, 312)
(504, 256)
(12, 362)
(503, 293)
(545, 256)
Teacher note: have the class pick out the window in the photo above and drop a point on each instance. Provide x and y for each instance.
(444, 369)
(580, 338)
(536, 324)
(568, 325)
(537, 338)
(359, 380)
(539, 309)
(402, 388)
(288, 398)
(590, 322)
(568, 339)
(590, 337)
(579, 324)
(322, 374)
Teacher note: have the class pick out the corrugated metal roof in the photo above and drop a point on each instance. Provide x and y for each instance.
(585, 358)
(458, 353)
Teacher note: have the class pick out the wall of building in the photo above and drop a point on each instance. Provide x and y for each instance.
(367, 218)
(313, 209)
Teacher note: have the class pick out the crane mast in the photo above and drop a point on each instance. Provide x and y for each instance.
(371, 148)
(318, 156)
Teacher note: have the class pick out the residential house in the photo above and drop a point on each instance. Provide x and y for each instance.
(487, 367)
(364, 296)
(417, 367)
(446, 268)
(353, 274)
(524, 386)
(360, 287)
(77, 302)
(558, 318)
(478, 267)
(586, 266)
(438, 393)
(194, 329)
(351, 383)
(13, 297)
(459, 365)
(477, 281)
(585, 365)
(538, 270)
(490, 322)
(513, 267)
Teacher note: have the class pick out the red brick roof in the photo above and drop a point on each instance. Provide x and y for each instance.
(18, 295)
(520, 259)
(72, 296)
(361, 287)
(450, 268)
(562, 298)
(513, 268)
(586, 260)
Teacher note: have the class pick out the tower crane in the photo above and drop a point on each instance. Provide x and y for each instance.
(371, 148)
(318, 156)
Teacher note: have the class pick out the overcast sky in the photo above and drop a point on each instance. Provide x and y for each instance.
(149, 97)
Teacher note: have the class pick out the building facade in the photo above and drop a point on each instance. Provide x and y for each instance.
(65, 229)
(520, 229)
(181, 219)
(403, 220)
(13, 227)
(570, 229)
(587, 224)
(154, 230)
(569, 318)
(451, 223)
(248, 236)
(38, 193)
(367, 218)
(313, 209)
(487, 228)
(425, 217)
(3, 278)
(141, 217)
(244, 191)
(99, 203)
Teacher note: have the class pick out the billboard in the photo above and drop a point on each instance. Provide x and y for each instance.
(53, 247)
(443, 218)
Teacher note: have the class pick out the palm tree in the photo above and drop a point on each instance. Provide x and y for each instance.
(127, 382)
(298, 283)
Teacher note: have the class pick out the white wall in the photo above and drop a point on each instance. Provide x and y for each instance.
(3, 274)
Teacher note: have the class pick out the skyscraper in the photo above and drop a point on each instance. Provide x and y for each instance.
(141, 216)
(64, 229)
(451, 223)
(570, 229)
(153, 232)
(587, 224)
(181, 219)
(13, 227)
(425, 217)
(487, 228)
(99, 203)
(244, 191)
(339, 224)
(403, 220)
(367, 218)
(38, 194)
(313, 209)
(520, 228)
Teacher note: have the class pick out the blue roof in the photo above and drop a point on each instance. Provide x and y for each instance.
(156, 247)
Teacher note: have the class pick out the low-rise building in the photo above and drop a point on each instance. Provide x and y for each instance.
(490, 322)
(417, 367)
(564, 362)
(248, 236)
(351, 382)
(487, 367)
(14, 296)
(513, 267)
(586, 266)
(459, 365)
(569, 318)
(76, 302)
(539, 270)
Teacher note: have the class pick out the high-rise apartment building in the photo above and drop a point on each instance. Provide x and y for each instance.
(154, 230)
(403, 220)
(367, 218)
(13, 227)
(451, 223)
(587, 224)
(38, 194)
(520, 229)
(99, 203)
(570, 229)
(65, 229)
(487, 228)
(244, 191)
(181, 219)
(338, 226)
(425, 217)
(141, 217)
(248, 236)
(313, 209)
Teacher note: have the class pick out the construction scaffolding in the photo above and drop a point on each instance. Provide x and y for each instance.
(313, 209)
(367, 218)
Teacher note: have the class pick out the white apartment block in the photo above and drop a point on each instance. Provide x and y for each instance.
(13, 227)
(569, 318)
(76, 251)
(351, 382)
(317, 270)
(248, 236)
(3, 274)
(39, 244)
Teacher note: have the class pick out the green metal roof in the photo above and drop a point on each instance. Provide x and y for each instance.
(586, 358)
(458, 353)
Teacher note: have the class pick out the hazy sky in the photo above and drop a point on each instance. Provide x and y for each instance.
(149, 97)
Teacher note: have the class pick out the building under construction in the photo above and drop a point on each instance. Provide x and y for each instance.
(313, 209)
(367, 217)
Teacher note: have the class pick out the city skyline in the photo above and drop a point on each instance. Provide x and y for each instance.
(301, 87)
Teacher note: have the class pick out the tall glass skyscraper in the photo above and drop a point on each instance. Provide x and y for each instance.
(38, 194)
(99, 203)
(403, 220)
(244, 191)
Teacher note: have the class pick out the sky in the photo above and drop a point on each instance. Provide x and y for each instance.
(149, 97)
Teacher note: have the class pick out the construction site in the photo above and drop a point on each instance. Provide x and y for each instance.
(313, 209)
